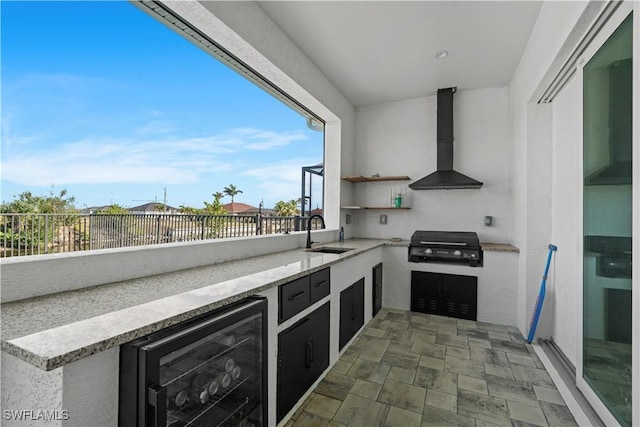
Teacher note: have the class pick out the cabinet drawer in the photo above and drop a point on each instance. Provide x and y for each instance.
(294, 297)
(320, 285)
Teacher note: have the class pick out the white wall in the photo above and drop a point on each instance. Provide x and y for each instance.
(399, 138)
(496, 282)
(532, 182)
(565, 288)
(80, 394)
(31, 276)
(26, 387)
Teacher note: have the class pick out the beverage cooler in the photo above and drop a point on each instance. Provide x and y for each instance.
(208, 371)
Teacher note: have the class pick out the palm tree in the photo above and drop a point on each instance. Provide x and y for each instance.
(216, 207)
(231, 191)
(289, 208)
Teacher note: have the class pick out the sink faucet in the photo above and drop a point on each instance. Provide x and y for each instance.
(309, 242)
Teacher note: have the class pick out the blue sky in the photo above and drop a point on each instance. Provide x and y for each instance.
(103, 100)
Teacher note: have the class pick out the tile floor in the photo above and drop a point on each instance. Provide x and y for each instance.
(607, 367)
(412, 369)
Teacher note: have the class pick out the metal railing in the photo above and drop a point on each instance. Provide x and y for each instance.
(35, 234)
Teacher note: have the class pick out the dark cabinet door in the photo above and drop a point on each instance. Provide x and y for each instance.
(346, 311)
(320, 285)
(461, 296)
(303, 354)
(444, 294)
(377, 289)
(351, 311)
(427, 294)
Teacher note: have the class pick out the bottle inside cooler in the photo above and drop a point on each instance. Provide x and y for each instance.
(215, 381)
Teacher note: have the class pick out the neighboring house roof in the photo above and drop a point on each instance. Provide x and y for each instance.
(93, 209)
(316, 211)
(265, 211)
(236, 207)
(152, 207)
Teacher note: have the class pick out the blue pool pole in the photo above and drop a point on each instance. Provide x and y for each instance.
(538, 308)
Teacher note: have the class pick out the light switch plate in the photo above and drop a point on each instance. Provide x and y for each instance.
(383, 219)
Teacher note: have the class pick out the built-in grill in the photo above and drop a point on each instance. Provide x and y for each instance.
(459, 247)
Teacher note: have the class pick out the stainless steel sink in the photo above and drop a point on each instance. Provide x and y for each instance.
(330, 250)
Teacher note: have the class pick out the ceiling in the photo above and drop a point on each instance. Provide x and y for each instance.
(383, 51)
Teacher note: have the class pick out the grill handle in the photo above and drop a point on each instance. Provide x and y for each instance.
(444, 243)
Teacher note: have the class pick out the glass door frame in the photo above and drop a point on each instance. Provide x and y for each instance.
(608, 28)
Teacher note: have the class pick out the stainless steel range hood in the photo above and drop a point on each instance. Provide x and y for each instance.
(445, 178)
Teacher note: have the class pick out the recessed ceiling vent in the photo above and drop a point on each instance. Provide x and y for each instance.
(445, 178)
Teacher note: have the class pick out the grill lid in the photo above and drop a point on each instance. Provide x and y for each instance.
(445, 238)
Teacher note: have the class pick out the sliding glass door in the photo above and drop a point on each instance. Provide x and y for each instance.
(607, 222)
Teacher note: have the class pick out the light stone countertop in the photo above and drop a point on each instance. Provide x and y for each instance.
(54, 330)
(499, 247)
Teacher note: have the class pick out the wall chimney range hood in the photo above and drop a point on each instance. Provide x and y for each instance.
(619, 169)
(445, 178)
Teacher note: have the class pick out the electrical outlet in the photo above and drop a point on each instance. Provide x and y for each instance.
(383, 219)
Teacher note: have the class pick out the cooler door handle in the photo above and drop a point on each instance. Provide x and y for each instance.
(157, 397)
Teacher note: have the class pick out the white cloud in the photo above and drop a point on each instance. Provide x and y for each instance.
(59, 80)
(146, 159)
(261, 140)
(155, 127)
(282, 180)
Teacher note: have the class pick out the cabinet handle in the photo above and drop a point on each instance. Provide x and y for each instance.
(157, 397)
(296, 296)
(313, 349)
(308, 354)
(354, 311)
(317, 285)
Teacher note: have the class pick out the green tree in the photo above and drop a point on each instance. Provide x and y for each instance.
(113, 210)
(216, 224)
(289, 208)
(231, 191)
(26, 202)
(26, 229)
(215, 208)
(189, 210)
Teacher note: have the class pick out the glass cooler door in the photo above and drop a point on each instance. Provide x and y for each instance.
(209, 374)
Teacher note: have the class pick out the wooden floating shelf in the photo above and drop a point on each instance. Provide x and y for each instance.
(374, 208)
(380, 208)
(360, 178)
